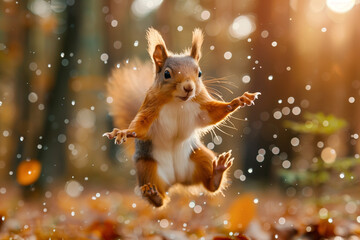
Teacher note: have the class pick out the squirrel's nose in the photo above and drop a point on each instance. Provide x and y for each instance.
(188, 88)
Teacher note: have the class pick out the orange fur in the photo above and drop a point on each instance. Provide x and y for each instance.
(156, 47)
(146, 172)
(154, 38)
(197, 41)
(203, 159)
(219, 110)
(207, 168)
(148, 112)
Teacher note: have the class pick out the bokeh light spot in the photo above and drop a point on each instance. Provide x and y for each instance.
(242, 27)
(340, 6)
(328, 155)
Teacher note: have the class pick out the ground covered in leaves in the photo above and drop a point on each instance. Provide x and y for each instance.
(117, 214)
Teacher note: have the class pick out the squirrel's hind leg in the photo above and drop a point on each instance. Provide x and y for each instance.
(209, 169)
(151, 186)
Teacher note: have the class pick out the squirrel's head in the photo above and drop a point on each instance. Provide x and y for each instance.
(178, 74)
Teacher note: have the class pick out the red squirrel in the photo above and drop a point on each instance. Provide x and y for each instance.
(176, 110)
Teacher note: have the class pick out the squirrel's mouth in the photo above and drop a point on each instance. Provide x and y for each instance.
(184, 98)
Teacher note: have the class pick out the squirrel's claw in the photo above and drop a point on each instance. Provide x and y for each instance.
(119, 135)
(112, 134)
(106, 135)
(248, 99)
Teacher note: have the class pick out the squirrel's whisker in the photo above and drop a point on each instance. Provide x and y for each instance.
(224, 131)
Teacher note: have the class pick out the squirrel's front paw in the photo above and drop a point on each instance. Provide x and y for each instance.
(119, 135)
(245, 99)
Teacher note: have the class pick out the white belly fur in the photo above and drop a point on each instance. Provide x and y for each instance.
(173, 136)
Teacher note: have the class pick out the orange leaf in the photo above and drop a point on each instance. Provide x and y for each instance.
(106, 230)
(28, 172)
(241, 212)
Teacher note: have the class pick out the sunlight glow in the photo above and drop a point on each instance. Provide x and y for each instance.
(242, 27)
(141, 8)
(340, 6)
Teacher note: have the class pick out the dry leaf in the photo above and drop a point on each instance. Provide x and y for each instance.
(28, 172)
(241, 212)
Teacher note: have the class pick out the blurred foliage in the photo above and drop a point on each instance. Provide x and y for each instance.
(317, 123)
(319, 172)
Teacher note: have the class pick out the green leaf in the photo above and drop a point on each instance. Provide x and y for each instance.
(317, 123)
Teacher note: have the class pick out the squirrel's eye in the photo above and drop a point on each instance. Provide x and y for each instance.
(200, 73)
(167, 74)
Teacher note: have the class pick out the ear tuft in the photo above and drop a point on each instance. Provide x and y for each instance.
(197, 41)
(156, 48)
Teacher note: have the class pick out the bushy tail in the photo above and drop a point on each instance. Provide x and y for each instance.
(127, 87)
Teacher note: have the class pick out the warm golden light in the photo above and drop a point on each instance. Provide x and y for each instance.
(242, 27)
(328, 155)
(340, 6)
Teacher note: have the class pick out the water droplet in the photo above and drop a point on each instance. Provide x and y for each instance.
(197, 209)
(286, 164)
(281, 221)
(227, 55)
(296, 110)
(62, 138)
(205, 15)
(117, 44)
(295, 141)
(277, 114)
(246, 79)
(264, 34)
(291, 100)
(114, 23)
(164, 223)
(32, 97)
(104, 57)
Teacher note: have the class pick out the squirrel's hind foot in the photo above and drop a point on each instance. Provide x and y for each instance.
(223, 162)
(150, 192)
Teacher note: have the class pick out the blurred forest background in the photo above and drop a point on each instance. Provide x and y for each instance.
(302, 55)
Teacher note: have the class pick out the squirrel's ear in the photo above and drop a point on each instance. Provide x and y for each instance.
(159, 57)
(156, 48)
(197, 40)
